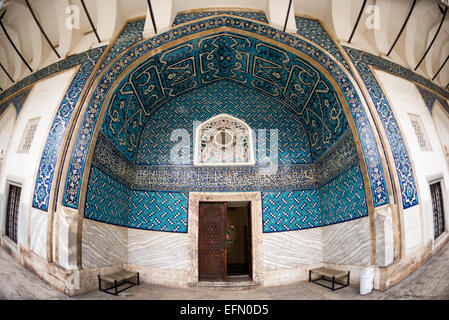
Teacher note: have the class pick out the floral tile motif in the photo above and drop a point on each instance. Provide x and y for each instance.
(404, 169)
(254, 108)
(131, 34)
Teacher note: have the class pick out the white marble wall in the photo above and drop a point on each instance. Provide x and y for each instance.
(292, 249)
(347, 243)
(384, 237)
(38, 232)
(161, 250)
(103, 244)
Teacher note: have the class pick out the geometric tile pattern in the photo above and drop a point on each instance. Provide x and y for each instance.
(291, 210)
(362, 61)
(162, 211)
(190, 16)
(371, 153)
(111, 202)
(52, 147)
(342, 199)
(256, 109)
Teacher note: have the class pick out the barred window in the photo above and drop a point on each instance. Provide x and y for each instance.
(420, 132)
(437, 207)
(28, 136)
(12, 212)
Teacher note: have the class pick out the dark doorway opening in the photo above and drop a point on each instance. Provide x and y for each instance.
(224, 241)
(238, 240)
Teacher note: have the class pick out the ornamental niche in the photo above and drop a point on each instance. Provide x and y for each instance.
(223, 140)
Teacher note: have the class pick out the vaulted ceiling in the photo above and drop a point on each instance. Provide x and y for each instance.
(380, 23)
(278, 74)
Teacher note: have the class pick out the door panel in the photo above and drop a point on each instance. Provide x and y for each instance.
(212, 241)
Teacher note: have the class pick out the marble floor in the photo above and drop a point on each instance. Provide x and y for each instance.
(431, 281)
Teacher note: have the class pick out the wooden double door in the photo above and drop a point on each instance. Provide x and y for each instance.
(212, 253)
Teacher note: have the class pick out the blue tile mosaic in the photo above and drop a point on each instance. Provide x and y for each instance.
(178, 75)
(404, 169)
(342, 199)
(112, 202)
(291, 210)
(69, 62)
(256, 109)
(430, 98)
(107, 200)
(190, 16)
(131, 34)
(52, 147)
(161, 211)
(313, 30)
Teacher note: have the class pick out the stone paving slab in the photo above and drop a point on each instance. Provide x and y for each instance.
(431, 281)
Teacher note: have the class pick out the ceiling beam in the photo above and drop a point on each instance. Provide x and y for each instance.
(288, 13)
(433, 40)
(402, 28)
(90, 20)
(4, 70)
(357, 21)
(12, 42)
(447, 58)
(152, 16)
(41, 29)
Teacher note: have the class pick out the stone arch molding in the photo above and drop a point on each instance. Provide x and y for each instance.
(236, 149)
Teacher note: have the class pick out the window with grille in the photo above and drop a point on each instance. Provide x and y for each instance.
(12, 212)
(420, 132)
(28, 136)
(437, 207)
(223, 140)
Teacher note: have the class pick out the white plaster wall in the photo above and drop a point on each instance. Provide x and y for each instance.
(441, 119)
(7, 120)
(42, 101)
(181, 5)
(405, 98)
